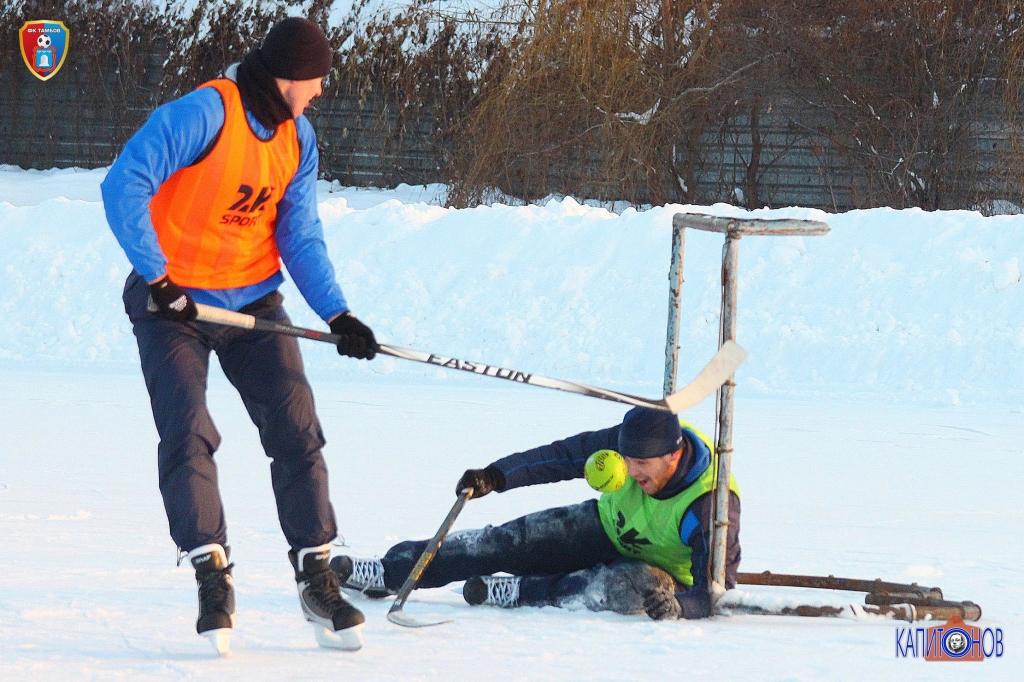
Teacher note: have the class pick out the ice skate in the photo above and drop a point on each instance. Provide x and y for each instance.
(492, 590)
(216, 595)
(336, 623)
(364, 575)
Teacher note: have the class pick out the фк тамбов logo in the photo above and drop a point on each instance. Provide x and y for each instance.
(44, 47)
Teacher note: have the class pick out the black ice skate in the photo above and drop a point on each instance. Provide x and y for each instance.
(216, 595)
(492, 590)
(364, 575)
(337, 624)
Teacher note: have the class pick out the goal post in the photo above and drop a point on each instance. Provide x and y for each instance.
(733, 229)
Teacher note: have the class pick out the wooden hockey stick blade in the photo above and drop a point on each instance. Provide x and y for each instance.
(725, 363)
(396, 614)
(400, 617)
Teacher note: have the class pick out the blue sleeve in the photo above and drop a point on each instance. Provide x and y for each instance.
(300, 234)
(560, 461)
(172, 138)
(693, 531)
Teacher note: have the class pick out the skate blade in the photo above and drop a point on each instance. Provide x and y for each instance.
(220, 639)
(349, 639)
(400, 617)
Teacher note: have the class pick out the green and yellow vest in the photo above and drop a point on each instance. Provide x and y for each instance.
(644, 528)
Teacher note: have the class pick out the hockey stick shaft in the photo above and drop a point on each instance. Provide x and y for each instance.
(833, 583)
(969, 611)
(429, 552)
(721, 367)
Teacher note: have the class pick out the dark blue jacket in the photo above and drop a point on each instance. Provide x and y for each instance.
(563, 460)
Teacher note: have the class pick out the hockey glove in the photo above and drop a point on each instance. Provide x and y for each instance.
(482, 481)
(172, 302)
(356, 340)
(662, 605)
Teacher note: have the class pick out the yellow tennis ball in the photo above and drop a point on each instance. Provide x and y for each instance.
(605, 471)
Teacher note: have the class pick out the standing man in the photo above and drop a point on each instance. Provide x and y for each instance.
(644, 548)
(207, 198)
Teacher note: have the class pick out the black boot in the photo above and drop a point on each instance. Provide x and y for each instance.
(216, 595)
(337, 624)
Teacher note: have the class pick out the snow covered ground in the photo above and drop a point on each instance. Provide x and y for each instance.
(878, 435)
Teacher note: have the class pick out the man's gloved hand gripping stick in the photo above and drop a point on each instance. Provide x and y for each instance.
(729, 357)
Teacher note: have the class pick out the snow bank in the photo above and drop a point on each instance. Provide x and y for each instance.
(924, 306)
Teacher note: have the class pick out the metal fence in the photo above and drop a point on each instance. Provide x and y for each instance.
(68, 121)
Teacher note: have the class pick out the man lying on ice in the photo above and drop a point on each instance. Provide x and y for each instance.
(643, 548)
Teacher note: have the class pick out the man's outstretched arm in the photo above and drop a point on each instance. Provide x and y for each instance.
(562, 460)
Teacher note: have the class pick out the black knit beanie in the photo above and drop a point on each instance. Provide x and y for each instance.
(297, 50)
(647, 433)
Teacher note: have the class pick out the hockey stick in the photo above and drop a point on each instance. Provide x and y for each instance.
(910, 612)
(397, 615)
(729, 357)
(831, 582)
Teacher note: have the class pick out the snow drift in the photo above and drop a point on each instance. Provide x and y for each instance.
(924, 305)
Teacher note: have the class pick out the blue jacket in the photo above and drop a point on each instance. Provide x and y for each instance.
(174, 137)
(564, 460)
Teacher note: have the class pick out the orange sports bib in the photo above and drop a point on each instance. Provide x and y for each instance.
(215, 219)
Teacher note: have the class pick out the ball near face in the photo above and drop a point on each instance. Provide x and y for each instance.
(43, 41)
(605, 471)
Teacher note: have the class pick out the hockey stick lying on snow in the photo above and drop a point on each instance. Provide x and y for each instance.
(903, 601)
(820, 582)
(729, 357)
(397, 615)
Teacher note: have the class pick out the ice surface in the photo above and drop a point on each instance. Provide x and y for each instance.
(859, 489)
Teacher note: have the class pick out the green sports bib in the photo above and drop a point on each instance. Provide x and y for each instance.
(647, 529)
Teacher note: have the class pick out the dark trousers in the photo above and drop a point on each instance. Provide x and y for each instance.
(267, 371)
(563, 554)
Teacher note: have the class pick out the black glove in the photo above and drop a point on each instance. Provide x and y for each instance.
(172, 302)
(482, 481)
(356, 338)
(662, 605)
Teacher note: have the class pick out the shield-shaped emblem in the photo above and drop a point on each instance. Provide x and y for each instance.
(44, 47)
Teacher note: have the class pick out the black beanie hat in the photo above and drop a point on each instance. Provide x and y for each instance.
(647, 433)
(296, 50)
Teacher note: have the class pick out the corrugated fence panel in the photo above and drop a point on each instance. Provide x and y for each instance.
(66, 122)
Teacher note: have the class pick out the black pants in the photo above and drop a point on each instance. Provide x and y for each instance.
(267, 370)
(563, 554)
